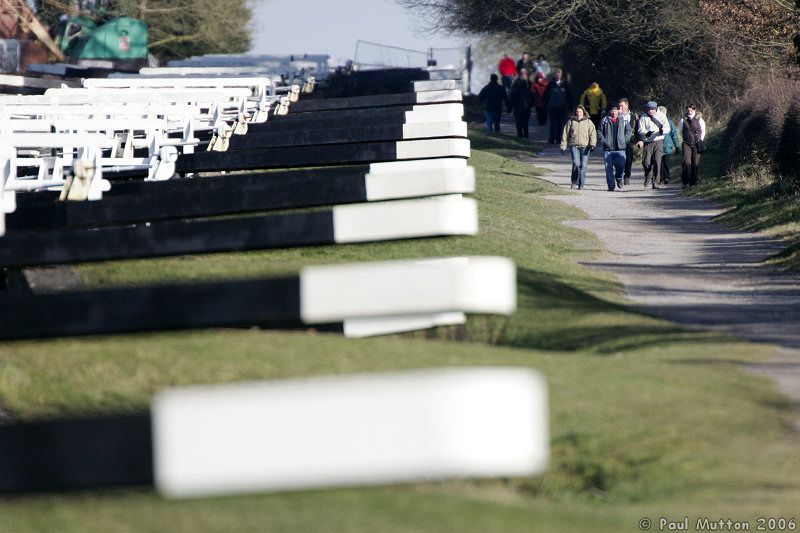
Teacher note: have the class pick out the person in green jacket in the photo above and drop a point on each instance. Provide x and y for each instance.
(671, 143)
(580, 136)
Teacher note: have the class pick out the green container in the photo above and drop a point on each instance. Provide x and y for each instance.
(118, 39)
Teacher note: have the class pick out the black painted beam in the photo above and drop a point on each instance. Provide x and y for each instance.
(330, 119)
(375, 77)
(76, 453)
(309, 137)
(363, 102)
(201, 197)
(297, 156)
(267, 302)
(285, 157)
(167, 238)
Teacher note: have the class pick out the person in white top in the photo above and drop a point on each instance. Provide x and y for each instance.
(542, 66)
(652, 127)
(693, 131)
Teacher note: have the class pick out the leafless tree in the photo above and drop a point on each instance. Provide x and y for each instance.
(182, 28)
(706, 51)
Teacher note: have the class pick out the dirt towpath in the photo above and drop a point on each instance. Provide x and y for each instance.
(675, 262)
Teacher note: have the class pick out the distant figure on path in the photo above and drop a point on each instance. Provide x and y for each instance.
(493, 96)
(558, 99)
(507, 69)
(615, 134)
(631, 118)
(671, 143)
(542, 65)
(521, 99)
(525, 63)
(580, 136)
(594, 99)
(652, 128)
(538, 88)
(693, 129)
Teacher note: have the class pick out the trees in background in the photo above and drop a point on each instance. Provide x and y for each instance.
(706, 51)
(183, 28)
(177, 28)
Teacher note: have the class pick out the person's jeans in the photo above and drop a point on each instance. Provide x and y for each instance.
(556, 117)
(507, 81)
(580, 158)
(492, 121)
(615, 167)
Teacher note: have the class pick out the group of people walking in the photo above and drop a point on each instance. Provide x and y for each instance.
(652, 132)
(593, 123)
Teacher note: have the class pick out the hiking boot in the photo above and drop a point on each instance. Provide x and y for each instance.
(619, 185)
(627, 180)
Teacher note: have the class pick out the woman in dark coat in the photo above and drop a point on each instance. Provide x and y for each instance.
(693, 131)
(521, 102)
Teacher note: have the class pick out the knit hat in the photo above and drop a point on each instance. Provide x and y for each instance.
(652, 105)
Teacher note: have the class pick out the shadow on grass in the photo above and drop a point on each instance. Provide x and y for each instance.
(554, 316)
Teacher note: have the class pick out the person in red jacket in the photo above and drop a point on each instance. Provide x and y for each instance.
(508, 69)
(538, 89)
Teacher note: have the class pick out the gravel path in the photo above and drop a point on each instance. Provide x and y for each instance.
(676, 263)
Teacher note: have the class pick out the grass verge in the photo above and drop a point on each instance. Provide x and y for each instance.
(647, 419)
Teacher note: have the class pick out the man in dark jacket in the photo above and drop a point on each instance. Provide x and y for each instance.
(521, 102)
(525, 63)
(493, 96)
(614, 134)
(558, 100)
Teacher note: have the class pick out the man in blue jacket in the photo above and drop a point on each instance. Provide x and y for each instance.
(493, 96)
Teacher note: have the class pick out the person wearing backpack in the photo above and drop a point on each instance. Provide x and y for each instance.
(653, 126)
(671, 143)
(580, 136)
(693, 129)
